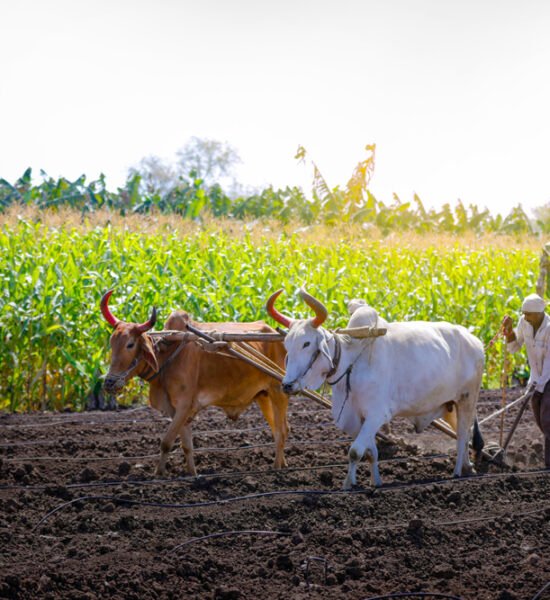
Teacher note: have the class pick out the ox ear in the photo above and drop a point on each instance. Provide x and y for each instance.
(148, 352)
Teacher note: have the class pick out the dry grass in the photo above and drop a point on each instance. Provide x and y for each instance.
(351, 234)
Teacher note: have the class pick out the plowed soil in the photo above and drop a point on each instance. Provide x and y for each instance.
(83, 516)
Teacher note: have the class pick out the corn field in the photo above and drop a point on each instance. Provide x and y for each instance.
(54, 342)
(192, 199)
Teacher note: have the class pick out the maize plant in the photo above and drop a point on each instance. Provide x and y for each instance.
(54, 342)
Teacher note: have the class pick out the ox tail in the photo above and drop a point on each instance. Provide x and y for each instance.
(477, 441)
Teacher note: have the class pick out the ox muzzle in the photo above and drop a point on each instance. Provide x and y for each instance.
(289, 388)
(113, 383)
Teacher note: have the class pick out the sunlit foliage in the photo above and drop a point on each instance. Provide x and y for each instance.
(54, 342)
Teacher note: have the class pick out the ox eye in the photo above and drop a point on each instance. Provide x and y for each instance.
(130, 345)
(306, 344)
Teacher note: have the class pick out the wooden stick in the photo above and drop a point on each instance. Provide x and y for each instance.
(516, 421)
(528, 393)
(503, 382)
(308, 393)
(218, 336)
(257, 336)
(319, 399)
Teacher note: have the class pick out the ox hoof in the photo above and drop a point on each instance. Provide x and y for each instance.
(160, 472)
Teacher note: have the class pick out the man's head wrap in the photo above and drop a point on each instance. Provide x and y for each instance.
(533, 303)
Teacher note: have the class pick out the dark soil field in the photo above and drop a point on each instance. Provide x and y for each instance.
(83, 516)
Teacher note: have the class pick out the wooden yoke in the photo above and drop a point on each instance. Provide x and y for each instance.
(362, 332)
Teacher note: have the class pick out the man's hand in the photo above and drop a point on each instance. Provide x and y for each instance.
(507, 325)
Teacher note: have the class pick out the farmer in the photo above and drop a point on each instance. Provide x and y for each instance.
(534, 330)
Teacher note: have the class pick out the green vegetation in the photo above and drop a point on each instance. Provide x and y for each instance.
(54, 342)
(156, 188)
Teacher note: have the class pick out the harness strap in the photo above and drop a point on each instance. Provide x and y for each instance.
(347, 373)
(132, 366)
(166, 363)
(336, 359)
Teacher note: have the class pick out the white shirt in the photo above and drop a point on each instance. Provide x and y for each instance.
(538, 350)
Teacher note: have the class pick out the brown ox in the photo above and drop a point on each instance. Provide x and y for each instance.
(185, 379)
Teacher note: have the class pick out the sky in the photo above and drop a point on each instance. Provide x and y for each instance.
(454, 93)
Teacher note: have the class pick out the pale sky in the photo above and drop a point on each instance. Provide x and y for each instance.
(454, 93)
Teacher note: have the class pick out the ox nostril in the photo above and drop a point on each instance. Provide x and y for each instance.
(109, 383)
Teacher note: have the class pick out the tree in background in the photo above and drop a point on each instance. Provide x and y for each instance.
(156, 175)
(210, 161)
(542, 218)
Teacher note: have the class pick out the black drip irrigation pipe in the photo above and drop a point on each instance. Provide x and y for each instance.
(195, 450)
(414, 595)
(276, 493)
(538, 595)
(236, 474)
(194, 478)
(197, 432)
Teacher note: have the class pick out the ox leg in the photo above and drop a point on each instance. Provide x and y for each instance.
(274, 408)
(186, 441)
(179, 420)
(365, 442)
(280, 406)
(465, 419)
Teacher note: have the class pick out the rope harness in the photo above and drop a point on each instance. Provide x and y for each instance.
(150, 374)
(346, 373)
(314, 357)
(122, 376)
(165, 364)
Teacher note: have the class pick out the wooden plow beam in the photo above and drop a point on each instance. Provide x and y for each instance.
(216, 336)
(252, 336)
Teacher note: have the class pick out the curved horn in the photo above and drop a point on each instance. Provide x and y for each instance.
(109, 317)
(270, 305)
(148, 324)
(321, 312)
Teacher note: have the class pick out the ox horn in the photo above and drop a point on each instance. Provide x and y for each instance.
(321, 312)
(148, 324)
(270, 305)
(106, 312)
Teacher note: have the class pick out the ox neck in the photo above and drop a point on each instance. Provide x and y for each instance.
(144, 371)
(147, 372)
(337, 345)
(335, 348)
(344, 353)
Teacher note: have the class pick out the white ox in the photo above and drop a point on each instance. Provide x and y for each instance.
(363, 315)
(416, 370)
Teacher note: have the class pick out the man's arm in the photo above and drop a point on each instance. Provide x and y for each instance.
(545, 375)
(514, 339)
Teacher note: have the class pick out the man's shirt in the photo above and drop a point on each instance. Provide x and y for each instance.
(538, 350)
